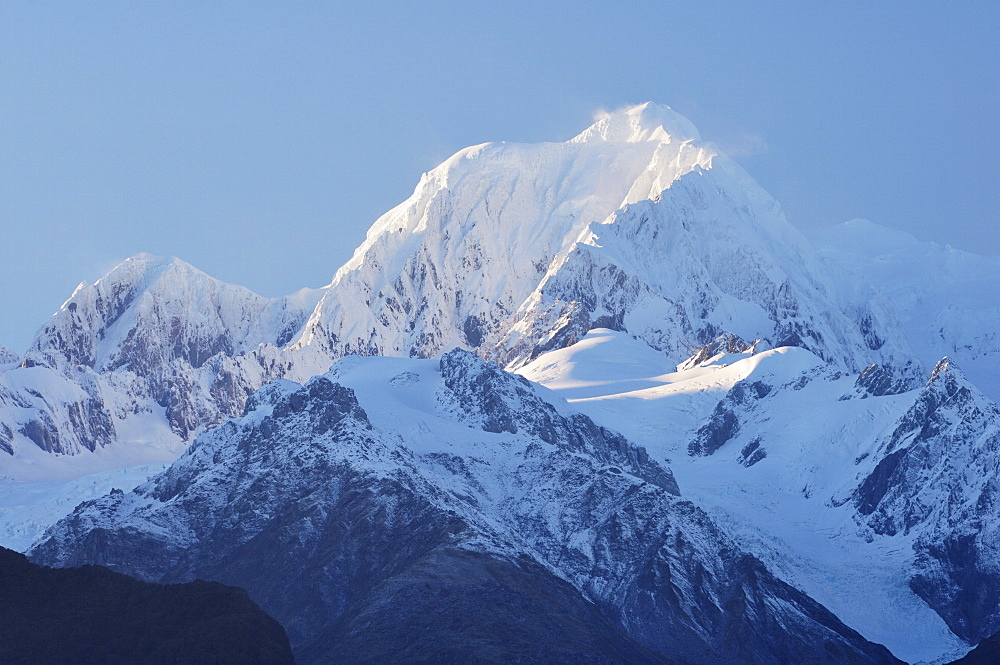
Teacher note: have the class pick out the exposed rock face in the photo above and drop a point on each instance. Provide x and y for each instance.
(724, 424)
(58, 412)
(875, 381)
(752, 453)
(500, 402)
(938, 478)
(153, 335)
(723, 343)
(94, 615)
(360, 515)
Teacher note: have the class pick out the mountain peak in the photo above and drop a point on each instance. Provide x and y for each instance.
(638, 124)
(947, 371)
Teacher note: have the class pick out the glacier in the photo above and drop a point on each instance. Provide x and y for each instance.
(789, 506)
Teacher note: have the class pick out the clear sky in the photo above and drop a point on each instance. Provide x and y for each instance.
(259, 140)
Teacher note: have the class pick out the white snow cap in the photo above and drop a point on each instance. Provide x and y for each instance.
(636, 124)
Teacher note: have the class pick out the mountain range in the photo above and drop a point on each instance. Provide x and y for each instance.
(593, 401)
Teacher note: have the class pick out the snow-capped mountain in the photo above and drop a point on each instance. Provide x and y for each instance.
(149, 312)
(506, 249)
(155, 345)
(938, 482)
(943, 297)
(633, 270)
(635, 224)
(356, 483)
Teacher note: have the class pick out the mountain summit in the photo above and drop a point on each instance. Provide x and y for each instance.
(636, 224)
(635, 124)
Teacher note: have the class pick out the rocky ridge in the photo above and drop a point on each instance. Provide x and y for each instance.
(937, 482)
(358, 506)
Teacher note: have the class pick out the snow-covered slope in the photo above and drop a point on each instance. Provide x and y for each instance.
(355, 482)
(944, 298)
(29, 507)
(794, 458)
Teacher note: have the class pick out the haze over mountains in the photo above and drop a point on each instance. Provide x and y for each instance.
(727, 442)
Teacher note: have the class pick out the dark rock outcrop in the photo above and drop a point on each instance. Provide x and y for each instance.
(722, 343)
(502, 402)
(876, 381)
(724, 424)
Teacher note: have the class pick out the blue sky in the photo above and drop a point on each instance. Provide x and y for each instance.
(258, 141)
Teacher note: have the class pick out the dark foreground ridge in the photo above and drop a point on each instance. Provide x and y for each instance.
(94, 615)
(986, 652)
